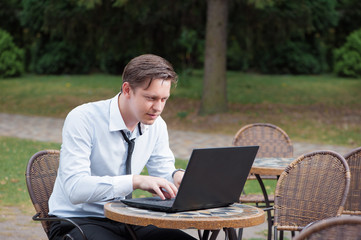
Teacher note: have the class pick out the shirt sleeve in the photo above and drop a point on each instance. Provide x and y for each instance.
(74, 168)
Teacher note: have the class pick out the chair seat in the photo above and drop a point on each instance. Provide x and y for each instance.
(255, 198)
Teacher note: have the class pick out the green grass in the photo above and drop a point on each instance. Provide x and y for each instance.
(56, 95)
(279, 89)
(15, 154)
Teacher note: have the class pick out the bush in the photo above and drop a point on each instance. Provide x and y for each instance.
(348, 57)
(11, 57)
(291, 58)
(58, 57)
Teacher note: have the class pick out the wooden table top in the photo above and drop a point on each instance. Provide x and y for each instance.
(270, 166)
(235, 216)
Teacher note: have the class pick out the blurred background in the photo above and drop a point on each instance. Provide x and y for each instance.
(293, 63)
(264, 36)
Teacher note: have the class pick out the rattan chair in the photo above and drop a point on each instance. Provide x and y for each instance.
(353, 201)
(311, 188)
(273, 142)
(40, 175)
(335, 228)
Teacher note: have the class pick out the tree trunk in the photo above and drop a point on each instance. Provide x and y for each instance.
(214, 97)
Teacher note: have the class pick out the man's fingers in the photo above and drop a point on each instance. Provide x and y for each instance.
(160, 186)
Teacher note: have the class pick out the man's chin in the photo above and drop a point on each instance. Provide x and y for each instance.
(148, 122)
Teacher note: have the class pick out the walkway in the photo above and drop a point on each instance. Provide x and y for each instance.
(19, 225)
(181, 142)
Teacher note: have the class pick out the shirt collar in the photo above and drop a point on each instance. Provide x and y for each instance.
(116, 122)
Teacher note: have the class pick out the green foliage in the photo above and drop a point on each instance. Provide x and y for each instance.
(257, 27)
(11, 57)
(114, 31)
(193, 47)
(291, 58)
(348, 57)
(350, 18)
(58, 57)
(9, 19)
(237, 58)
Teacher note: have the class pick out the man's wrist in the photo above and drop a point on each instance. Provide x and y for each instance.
(177, 170)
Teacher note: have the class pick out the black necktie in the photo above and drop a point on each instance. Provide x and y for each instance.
(128, 167)
(131, 143)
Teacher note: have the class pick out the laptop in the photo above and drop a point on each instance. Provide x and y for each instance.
(214, 177)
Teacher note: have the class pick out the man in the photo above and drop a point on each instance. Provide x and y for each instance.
(94, 153)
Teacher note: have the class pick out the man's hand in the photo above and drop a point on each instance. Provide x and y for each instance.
(177, 178)
(155, 185)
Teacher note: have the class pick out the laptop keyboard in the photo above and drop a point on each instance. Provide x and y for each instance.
(156, 201)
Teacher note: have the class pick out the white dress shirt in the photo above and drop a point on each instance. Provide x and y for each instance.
(93, 156)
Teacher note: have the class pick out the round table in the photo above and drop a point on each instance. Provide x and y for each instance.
(270, 166)
(235, 216)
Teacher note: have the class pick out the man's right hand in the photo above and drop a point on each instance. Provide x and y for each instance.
(155, 185)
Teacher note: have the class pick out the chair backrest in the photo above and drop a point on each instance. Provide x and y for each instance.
(273, 141)
(345, 228)
(311, 188)
(41, 173)
(353, 201)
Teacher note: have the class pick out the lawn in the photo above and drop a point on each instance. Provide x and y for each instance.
(317, 109)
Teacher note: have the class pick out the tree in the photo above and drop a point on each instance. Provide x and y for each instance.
(214, 97)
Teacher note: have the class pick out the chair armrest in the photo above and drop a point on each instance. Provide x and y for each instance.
(53, 219)
(268, 209)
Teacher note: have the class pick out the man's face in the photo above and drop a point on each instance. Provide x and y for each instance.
(148, 104)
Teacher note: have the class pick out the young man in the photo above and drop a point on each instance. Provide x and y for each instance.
(96, 148)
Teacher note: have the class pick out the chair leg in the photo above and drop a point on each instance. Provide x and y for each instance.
(275, 233)
(281, 235)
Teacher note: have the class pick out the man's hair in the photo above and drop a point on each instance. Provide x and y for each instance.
(146, 68)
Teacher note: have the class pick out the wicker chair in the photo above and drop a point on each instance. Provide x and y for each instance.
(345, 228)
(353, 201)
(311, 188)
(273, 142)
(40, 175)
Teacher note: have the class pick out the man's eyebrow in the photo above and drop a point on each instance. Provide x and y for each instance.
(154, 96)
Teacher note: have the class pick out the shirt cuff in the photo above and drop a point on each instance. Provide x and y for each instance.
(123, 185)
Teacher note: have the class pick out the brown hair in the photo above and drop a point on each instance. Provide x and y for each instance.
(146, 68)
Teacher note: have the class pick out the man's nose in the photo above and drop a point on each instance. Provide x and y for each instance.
(158, 105)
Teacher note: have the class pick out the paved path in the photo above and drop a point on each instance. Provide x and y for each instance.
(19, 226)
(181, 142)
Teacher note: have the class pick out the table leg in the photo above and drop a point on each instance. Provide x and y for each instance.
(206, 234)
(214, 234)
(265, 195)
(240, 233)
(231, 233)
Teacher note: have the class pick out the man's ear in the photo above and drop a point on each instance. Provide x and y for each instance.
(126, 89)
